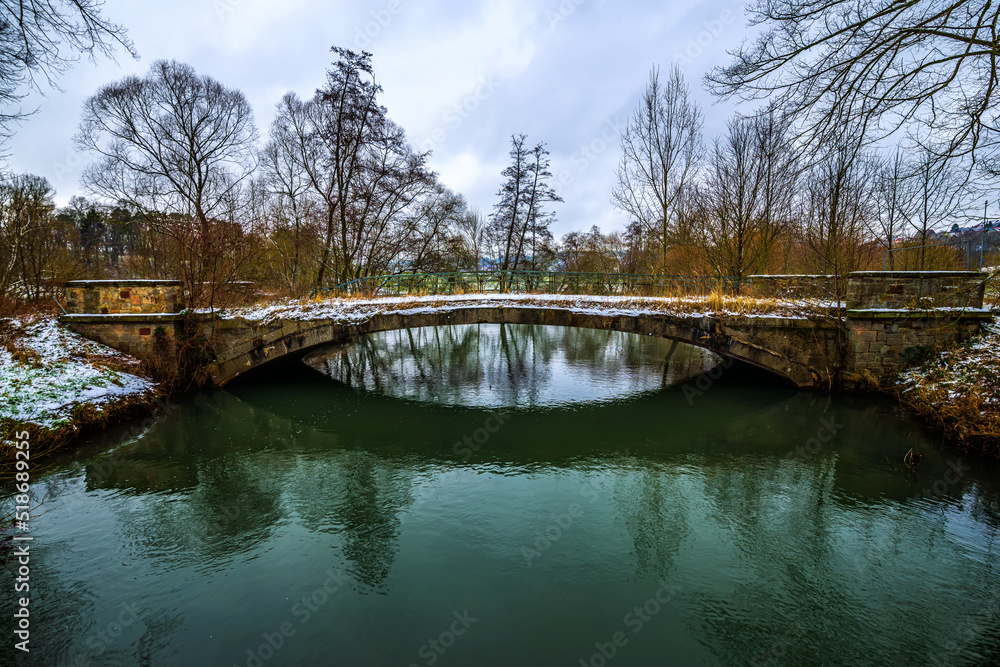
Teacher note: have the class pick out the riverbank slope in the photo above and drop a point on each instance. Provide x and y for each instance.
(957, 391)
(57, 385)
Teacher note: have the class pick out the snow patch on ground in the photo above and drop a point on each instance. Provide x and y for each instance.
(977, 360)
(69, 370)
(968, 374)
(352, 311)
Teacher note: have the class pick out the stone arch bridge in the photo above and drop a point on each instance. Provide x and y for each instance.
(888, 316)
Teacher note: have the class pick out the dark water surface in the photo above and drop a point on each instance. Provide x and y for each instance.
(512, 495)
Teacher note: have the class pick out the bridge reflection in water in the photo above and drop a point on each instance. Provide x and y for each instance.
(495, 365)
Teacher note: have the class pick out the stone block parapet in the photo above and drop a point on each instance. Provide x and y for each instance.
(114, 297)
(882, 343)
(900, 290)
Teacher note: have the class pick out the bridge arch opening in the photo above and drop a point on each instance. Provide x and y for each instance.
(418, 361)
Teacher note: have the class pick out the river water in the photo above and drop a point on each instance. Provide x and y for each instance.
(514, 495)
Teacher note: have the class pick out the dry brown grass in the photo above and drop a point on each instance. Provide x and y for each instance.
(958, 393)
(971, 420)
(992, 295)
(86, 419)
(713, 303)
(863, 381)
(14, 308)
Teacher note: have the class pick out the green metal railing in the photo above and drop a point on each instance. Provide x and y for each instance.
(482, 282)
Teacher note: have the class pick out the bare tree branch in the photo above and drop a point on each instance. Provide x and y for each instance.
(927, 68)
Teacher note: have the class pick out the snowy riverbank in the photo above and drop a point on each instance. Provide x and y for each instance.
(958, 392)
(55, 383)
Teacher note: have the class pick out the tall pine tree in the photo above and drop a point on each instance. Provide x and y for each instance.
(520, 217)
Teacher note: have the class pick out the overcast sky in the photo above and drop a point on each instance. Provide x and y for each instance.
(459, 76)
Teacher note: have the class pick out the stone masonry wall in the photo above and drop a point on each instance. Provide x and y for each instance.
(881, 342)
(913, 289)
(885, 345)
(135, 338)
(113, 297)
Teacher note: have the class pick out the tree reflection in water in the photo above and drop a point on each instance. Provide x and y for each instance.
(490, 365)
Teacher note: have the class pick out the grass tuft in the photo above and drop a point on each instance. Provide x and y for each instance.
(958, 392)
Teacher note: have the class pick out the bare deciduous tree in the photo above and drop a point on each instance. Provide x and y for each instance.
(178, 146)
(32, 240)
(293, 209)
(749, 195)
(41, 39)
(895, 200)
(941, 193)
(358, 166)
(591, 252)
(661, 151)
(840, 209)
(432, 224)
(470, 233)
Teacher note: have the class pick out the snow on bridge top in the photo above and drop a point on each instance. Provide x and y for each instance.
(349, 310)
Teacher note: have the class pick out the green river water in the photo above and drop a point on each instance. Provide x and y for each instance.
(514, 495)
